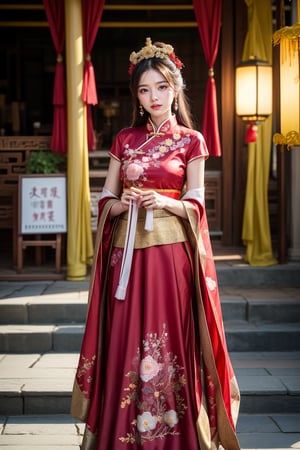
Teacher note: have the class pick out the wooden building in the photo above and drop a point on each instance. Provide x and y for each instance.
(27, 65)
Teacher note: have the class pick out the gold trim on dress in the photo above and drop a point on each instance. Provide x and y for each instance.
(167, 229)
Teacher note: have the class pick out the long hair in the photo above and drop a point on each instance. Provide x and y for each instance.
(166, 67)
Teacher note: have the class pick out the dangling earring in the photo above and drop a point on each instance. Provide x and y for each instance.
(141, 110)
(175, 104)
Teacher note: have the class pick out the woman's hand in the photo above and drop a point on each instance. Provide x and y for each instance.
(148, 199)
(129, 195)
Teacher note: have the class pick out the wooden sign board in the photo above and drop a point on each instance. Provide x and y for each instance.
(42, 204)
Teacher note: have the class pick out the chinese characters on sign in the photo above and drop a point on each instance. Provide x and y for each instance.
(43, 204)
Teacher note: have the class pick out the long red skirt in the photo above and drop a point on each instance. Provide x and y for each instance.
(151, 392)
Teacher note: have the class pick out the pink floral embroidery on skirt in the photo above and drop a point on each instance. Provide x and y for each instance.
(155, 387)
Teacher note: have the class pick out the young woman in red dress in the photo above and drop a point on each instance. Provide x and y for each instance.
(154, 371)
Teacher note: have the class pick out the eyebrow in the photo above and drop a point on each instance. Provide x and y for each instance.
(158, 82)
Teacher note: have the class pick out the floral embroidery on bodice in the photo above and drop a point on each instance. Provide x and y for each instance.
(157, 159)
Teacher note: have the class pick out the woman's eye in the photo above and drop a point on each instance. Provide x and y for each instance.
(162, 87)
(142, 91)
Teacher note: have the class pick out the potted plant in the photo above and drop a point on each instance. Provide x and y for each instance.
(45, 162)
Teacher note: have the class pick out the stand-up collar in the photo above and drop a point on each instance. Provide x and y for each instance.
(163, 128)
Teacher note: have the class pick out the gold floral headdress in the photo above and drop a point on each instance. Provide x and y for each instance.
(152, 51)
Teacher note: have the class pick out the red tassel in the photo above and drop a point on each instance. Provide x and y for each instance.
(89, 91)
(251, 133)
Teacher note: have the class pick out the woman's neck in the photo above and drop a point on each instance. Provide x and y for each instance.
(157, 123)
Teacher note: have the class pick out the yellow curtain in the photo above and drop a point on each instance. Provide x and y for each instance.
(256, 226)
(79, 245)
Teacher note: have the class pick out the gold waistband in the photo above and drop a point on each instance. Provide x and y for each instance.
(167, 229)
(173, 193)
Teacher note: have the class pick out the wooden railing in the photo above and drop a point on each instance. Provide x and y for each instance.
(14, 151)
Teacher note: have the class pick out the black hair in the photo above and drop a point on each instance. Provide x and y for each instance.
(167, 68)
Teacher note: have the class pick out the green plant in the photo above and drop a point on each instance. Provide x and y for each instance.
(45, 162)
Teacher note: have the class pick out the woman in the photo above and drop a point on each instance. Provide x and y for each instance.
(154, 371)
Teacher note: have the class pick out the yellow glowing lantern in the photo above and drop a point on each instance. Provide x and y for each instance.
(253, 93)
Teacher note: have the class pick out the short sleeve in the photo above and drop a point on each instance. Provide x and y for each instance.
(119, 143)
(197, 147)
(116, 148)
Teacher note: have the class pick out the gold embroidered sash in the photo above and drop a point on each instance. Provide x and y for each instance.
(167, 229)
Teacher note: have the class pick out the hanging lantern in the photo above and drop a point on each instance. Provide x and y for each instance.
(289, 40)
(253, 94)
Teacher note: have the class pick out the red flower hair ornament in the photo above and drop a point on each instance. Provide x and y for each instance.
(152, 51)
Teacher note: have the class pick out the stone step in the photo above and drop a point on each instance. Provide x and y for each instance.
(267, 305)
(40, 338)
(245, 337)
(40, 432)
(243, 275)
(231, 271)
(33, 320)
(268, 381)
(241, 336)
(42, 384)
(42, 310)
(260, 305)
(61, 431)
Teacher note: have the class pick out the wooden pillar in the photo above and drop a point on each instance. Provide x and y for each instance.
(234, 158)
(227, 135)
(294, 248)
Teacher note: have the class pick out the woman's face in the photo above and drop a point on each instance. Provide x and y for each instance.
(156, 96)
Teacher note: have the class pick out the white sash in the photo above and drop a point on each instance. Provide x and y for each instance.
(129, 246)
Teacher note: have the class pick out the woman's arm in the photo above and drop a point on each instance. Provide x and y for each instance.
(113, 182)
(195, 174)
(113, 185)
(153, 200)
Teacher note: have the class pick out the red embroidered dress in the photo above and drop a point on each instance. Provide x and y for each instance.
(154, 372)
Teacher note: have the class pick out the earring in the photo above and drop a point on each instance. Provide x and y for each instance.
(141, 110)
(175, 105)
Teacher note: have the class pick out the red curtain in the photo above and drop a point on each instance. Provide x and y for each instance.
(208, 16)
(56, 18)
(91, 16)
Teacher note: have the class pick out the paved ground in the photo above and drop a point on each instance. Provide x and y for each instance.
(61, 432)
